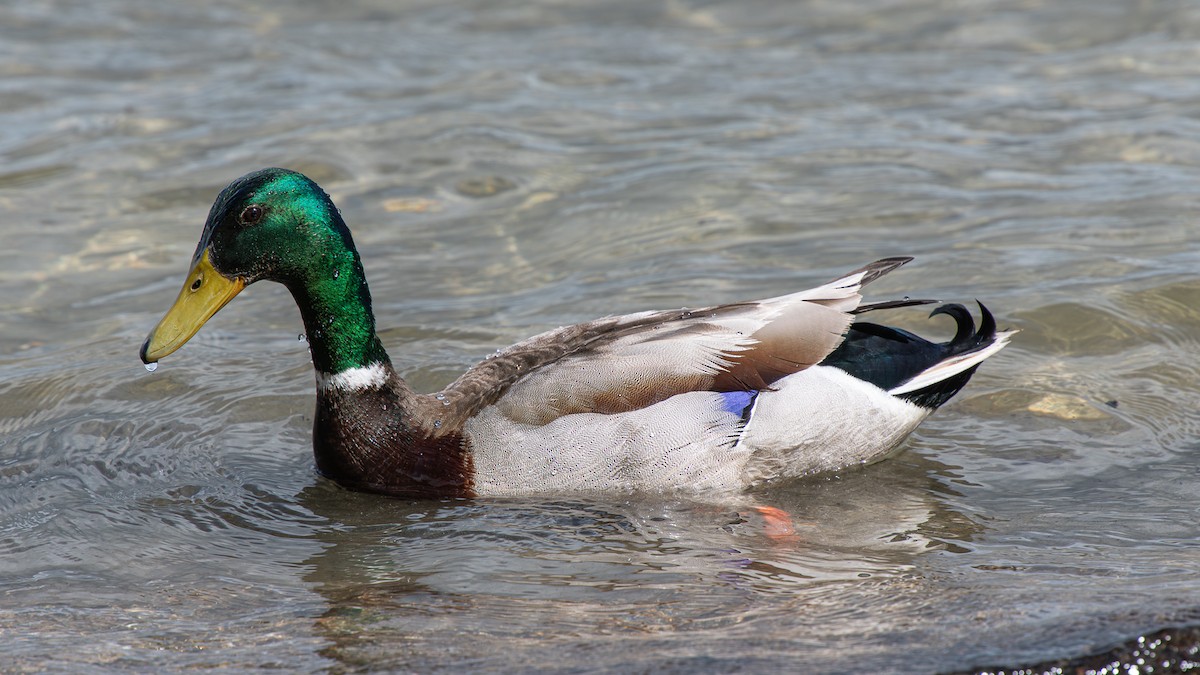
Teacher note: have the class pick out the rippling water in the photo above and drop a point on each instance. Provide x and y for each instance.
(509, 167)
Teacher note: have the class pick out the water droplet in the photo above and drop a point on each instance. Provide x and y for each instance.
(336, 273)
(553, 472)
(152, 366)
(437, 424)
(300, 337)
(440, 397)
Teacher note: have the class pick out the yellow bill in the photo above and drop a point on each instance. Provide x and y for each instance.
(205, 292)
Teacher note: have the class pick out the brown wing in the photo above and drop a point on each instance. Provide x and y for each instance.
(623, 363)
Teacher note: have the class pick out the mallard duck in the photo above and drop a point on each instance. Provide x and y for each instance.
(718, 399)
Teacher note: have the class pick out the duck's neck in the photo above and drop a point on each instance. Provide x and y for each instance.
(369, 429)
(336, 307)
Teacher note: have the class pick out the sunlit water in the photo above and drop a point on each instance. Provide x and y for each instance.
(508, 167)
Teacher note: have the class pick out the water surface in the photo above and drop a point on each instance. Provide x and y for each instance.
(509, 167)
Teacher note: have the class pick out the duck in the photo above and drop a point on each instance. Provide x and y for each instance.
(720, 399)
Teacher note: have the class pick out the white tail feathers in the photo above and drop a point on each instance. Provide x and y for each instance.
(952, 366)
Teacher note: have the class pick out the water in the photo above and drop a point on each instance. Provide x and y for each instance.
(508, 167)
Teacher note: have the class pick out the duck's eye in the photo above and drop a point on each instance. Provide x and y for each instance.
(251, 215)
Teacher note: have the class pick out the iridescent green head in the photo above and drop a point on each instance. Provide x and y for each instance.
(278, 225)
(268, 225)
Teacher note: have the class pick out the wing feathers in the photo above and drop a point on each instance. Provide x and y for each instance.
(842, 293)
(625, 363)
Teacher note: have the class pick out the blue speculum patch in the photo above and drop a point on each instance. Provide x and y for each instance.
(737, 402)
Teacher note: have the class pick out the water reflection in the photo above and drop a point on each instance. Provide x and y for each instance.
(408, 582)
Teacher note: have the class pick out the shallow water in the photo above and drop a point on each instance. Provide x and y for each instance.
(509, 167)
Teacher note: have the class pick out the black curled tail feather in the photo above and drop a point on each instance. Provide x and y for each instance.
(888, 357)
(964, 324)
(966, 338)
